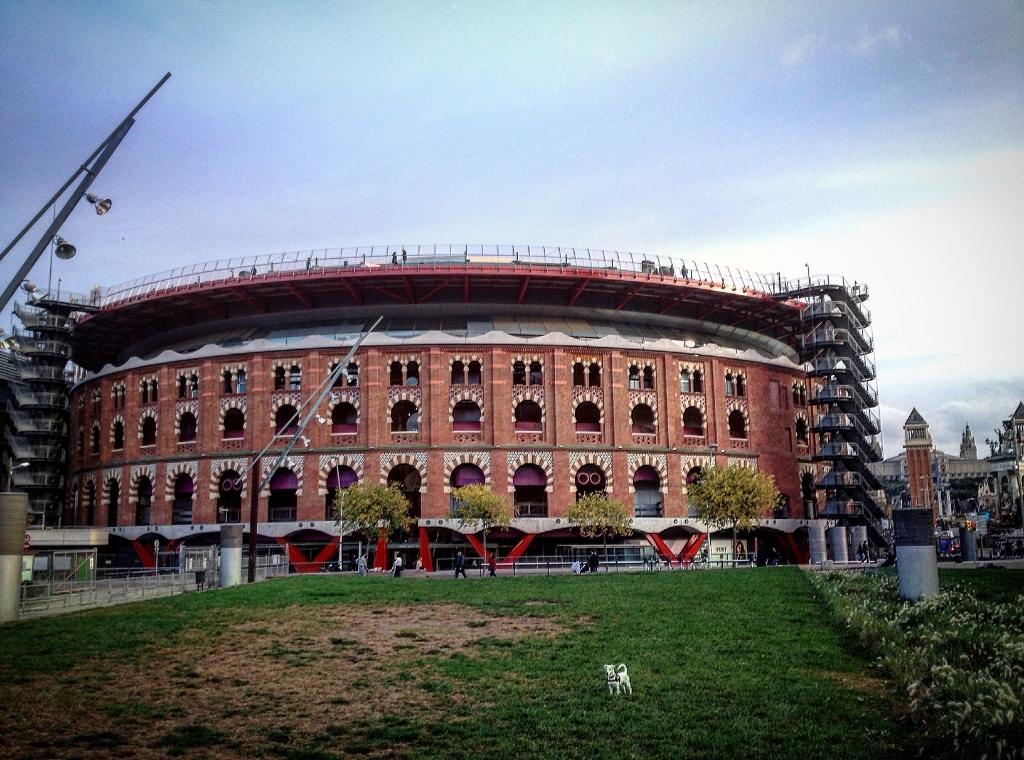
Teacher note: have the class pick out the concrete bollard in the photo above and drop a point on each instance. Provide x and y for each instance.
(917, 567)
(13, 514)
(816, 541)
(837, 543)
(968, 545)
(230, 555)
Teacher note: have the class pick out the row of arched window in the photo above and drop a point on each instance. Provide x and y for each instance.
(405, 417)
(529, 492)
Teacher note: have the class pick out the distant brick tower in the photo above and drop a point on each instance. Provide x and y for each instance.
(918, 443)
(968, 449)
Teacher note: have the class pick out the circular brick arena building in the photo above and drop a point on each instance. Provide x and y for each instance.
(544, 373)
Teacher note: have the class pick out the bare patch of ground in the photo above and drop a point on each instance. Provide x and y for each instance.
(287, 677)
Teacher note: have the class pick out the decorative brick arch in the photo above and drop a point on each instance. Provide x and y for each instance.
(738, 405)
(635, 461)
(405, 394)
(465, 361)
(174, 469)
(416, 459)
(328, 462)
(542, 459)
(601, 459)
(290, 463)
(280, 398)
(96, 395)
(218, 467)
(232, 402)
(459, 393)
(112, 473)
(348, 396)
(139, 471)
(749, 463)
(591, 395)
(534, 393)
(183, 407)
(648, 398)
(527, 360)
(117, 418)
(285, 364)
(453, 459)
(688, 461)
(150, 413)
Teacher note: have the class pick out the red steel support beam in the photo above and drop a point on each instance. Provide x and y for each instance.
(425, 558)
(475, 543)
(302, 299)
(145, 553)
(380, 557)
(522, 288)
(692, 547)
(295, 557)
(519, 549)
(660, 546)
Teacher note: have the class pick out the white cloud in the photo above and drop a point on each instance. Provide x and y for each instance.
(869, 41)
(802, 50)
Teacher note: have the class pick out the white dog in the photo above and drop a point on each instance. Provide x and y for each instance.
(618, 679)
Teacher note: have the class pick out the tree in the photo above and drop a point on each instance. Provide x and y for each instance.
(597, 516)
(733, 497)
(372, 508)
(482, 509)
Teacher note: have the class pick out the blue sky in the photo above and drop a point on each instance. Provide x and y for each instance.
(878, 140)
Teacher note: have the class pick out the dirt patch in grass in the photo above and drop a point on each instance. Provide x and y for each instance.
(259, 688)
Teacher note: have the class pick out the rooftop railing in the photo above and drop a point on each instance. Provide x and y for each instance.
(303, 263)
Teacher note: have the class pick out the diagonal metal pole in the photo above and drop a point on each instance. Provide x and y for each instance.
(256, 483)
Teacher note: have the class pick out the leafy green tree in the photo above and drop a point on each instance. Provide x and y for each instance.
(597, 516)
(480, 508)
(373, 509)
(733, 497)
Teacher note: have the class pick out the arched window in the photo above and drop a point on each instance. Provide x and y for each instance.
(737, 425)
(395, 374)
(113, 500)
(796, 395)
(145, 500)
(193, 386)
(145, 391)
(642, 419)
(407, 479)
(590, 479)
(343, 419)
(286, 421)
(634, 378)
(518, 373)
(801, 431)
(741, 386)
(94, 444)
(184, 488)
(458, 373)
(227, 384)
(578, 375)
(648, 379)
(730, 384)
(279, 378)
(529, 484)
(340, 477)
(475, 374)
(698, 381)
(588, 418)
(685, 382)
(528, 417)
(536, 373)
(595, 375)
(693, 421)
(647, 488)
(81, 442)
(405, 417)
(148, 431)
(412, 373)
(283, 504)
(466, 475)
(466, 416)
(294, 378)
(352, 372)
(234, 424)
(118, 435)
(187, 428)
(229, 497)
(182, 387)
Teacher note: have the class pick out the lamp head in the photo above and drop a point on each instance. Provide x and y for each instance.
(64, 249)
(28, 286)
(102, 205)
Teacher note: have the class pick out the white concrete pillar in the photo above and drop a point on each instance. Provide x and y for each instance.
(13, 513)
(917, 567)
(837, 543)
(230, 555)
(816, 541)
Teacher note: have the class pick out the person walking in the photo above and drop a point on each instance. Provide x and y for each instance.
(460, 565)
(396, 567)
(361, 564)
(592, 562)
(492, 565)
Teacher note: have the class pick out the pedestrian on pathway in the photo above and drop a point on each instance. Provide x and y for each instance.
(361, 564)
(492, 565)
(396, 567)
(592, 562)
(460, 565)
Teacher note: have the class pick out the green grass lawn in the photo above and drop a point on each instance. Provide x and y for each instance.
(723, 663)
